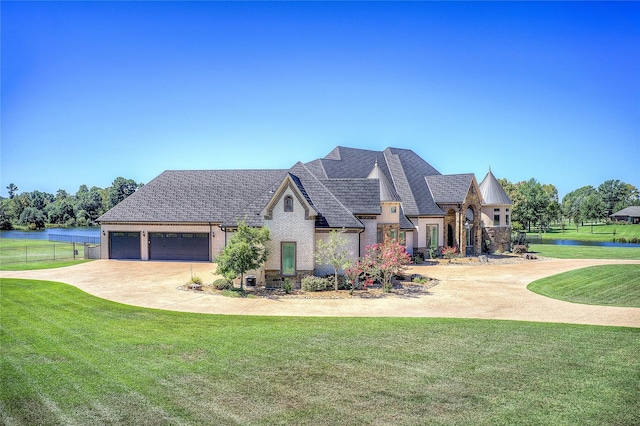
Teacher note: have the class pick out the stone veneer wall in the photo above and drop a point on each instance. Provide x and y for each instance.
(499, 237)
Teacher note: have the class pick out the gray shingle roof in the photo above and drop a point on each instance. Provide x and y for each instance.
(387, 191)
(403, 168)
(335, 186)
(631, 211)
(449, 188)
(492, 192)
(198, 196)
(333, 213)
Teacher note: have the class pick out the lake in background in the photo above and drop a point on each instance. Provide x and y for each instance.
(588, 243)
(76, 235)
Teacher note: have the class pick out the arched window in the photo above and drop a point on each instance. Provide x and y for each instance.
(288, 203)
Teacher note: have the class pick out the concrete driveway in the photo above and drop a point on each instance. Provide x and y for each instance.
(488, 291)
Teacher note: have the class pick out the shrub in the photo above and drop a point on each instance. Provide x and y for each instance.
(622, 240)
(313, 283)
(633, 240)
(286, 286)
(419, 279)
(520, 248)
(342, 282)
(195, 280)
(222, 284)
(449, 252)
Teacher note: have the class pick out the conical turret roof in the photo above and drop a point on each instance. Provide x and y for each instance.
(387, 192)
(492, 192)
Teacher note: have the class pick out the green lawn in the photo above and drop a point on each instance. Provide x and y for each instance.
(26, 254)
(585, 252)
(72, 358)
(611, 285)
(601, 232)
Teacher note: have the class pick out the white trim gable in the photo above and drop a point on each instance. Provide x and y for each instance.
(287, 183)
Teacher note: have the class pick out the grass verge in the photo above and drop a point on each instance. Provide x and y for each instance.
(585, 252)
(26, 254)
(609, 285)
(72, 358)
(24, 266)
(599, 232)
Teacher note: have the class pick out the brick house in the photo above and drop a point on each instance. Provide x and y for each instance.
(189, 215)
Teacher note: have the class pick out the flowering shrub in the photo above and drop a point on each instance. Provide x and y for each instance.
(382, 262)
(449, 252)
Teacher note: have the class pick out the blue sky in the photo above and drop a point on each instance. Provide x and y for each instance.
(96, 90)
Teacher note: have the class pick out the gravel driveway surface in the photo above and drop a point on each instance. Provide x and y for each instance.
(488, 291)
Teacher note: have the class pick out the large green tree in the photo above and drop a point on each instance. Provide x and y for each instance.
(532, 210)
(572, 203)
(246, 250)
(120, 189)
(593, 208)
(617, 195)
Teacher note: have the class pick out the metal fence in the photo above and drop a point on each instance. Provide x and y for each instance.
(50, 249)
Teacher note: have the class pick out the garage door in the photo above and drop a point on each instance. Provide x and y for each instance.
(124, 245)
(178, 246)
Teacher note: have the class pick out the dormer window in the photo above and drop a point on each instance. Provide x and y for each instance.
(394, 209)
(288, 203)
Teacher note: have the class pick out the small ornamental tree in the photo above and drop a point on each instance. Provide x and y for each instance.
(382, 261)
(334, 253)
(246, 250)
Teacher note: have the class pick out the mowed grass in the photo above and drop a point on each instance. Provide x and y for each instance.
(601, 232)
(585, 252)
(71, 358)
(27, 254)
(611, 285)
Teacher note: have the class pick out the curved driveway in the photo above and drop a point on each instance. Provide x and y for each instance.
(488, 291)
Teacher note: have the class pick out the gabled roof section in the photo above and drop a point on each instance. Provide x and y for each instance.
(387, 191)
(492, 192)
(332, 213)
(292, 181)
(197, 196)
(403, 168)
(360, 196)
(447, 189)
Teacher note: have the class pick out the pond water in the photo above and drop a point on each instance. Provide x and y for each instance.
(46, 234)
(588, 243)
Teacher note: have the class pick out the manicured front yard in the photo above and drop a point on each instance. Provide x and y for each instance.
(72, 358)
(611, 285)
(585, 252)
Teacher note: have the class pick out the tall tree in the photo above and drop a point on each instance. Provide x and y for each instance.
(246, 250)
(533, 208)
(593, 208)
(120, 189)
(572, 203)
(334, 252)
(12, 188)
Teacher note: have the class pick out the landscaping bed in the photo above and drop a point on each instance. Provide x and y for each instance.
(400, 289)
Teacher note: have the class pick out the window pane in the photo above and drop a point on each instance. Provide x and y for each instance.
(432, 236)
(288, 258)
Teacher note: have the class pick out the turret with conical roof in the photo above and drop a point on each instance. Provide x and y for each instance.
(496, 213)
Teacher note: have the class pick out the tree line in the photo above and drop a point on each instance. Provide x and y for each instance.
(37, 209)
(536, 205)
